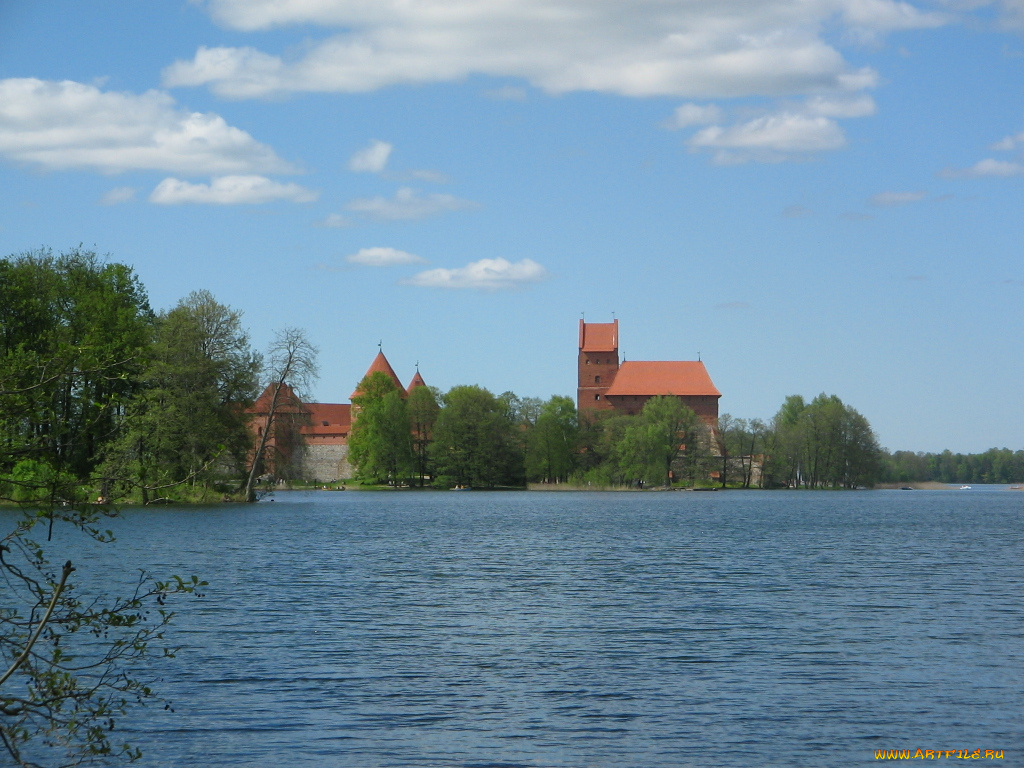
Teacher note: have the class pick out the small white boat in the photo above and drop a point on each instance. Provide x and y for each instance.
(965, 487)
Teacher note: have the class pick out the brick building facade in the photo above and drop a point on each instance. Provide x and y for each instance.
(313, 437)
(606, 384)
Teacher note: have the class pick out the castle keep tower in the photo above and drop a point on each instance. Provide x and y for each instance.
(605, 384)
(598, 364)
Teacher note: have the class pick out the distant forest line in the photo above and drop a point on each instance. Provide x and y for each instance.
(996, 465)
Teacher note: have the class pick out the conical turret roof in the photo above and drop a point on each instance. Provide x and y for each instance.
(417, 381)
(380, 364)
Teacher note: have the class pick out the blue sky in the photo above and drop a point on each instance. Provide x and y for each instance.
(812, 195)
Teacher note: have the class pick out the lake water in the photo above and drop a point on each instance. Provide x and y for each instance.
(573, 629)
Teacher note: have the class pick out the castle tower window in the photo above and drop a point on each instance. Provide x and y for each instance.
(597, 379)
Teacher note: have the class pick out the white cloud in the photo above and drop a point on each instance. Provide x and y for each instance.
(990, 167)
(407, 204)
(486, 274)
(1009, 143)
(434, 177)
(771, 138)
(335, 221)
(229, 190)
(1012, 15)
(119, 195)
(987, 167)
(891, 199)
(793, 131)
(859, 105)
(383, 257)
(666, 48)
(371, 159)
(687, 115)
(867, 19)
(60, 125)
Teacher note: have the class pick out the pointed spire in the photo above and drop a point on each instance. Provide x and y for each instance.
(381, 364)
(417, 381)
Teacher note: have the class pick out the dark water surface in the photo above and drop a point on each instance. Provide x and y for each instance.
(571, 629)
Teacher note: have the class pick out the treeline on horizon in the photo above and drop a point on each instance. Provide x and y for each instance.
(101, 396)
(996, 465)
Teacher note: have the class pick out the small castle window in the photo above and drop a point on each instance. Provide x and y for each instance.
(597, 397)
(597, 379)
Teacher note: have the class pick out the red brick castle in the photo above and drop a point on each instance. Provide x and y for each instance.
(605, 384)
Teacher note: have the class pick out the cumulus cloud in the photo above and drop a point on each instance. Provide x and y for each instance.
(859, 105)
(335, 221)
(383, 257)
(66, 124)
(794, 130)
(486, 274)
(987, 167)
(229, 190)
(770, 138)
(892, 199)
(670, 48)
(1012, 16)
(119, 195)
(407, 204)
(868, 19)
(428, 175)
(991, 167)
(372, 159)
(687, 115)
(1009, 143)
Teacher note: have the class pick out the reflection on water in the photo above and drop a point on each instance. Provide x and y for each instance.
(563, 629)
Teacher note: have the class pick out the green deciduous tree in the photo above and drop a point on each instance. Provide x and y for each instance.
(666, 434)
(423, 410)
(824, 443)
(381, 445)
(187, 423)
(552, 442)
(74, 335)
(476, 442)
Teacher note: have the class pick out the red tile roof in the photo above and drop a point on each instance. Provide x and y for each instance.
(417, 381)
(338, 418)
(599, 337)
(380, 363)
(287, 401)
(662, 378)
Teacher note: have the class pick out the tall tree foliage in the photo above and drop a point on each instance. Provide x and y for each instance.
(822, 444)
(666, 434)
(381, 446)
(552, 443)
(73, 337)
(187, 423)
(476, 441)
(423, 410)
